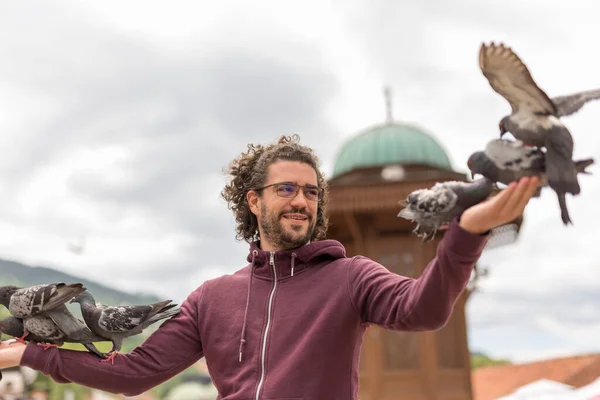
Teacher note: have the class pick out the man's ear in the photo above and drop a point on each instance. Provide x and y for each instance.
(253, 201)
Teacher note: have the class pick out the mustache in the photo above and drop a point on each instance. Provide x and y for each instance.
(296, 211)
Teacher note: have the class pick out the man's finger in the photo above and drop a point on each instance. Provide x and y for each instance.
(530, 191)
(525, 192)
(511, 207)
(501, 198)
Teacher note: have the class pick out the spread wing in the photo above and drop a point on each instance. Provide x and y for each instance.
(510, 78)
(123, 318)
(569, 104)
(514, 156)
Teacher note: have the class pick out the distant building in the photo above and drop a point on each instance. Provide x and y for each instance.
(373, 171)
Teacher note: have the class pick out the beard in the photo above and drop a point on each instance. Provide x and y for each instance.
(282, 237)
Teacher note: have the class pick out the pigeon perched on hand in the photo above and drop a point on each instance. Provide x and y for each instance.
(44, 331)
(434, 208)
(35, 300)
(535, 118)
(115, 323)
(505, 161)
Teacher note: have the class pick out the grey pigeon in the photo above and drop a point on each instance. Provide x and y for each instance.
(30, 301)
(534, 119)
(116, 323)
(44, 331)
(435, 207)
(505, 161)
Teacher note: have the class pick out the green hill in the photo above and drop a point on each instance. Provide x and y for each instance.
(14, 273)
(479, 360)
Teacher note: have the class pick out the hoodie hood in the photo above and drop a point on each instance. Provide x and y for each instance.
(290, 261)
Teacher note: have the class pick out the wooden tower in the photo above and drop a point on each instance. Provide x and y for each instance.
(374, 170)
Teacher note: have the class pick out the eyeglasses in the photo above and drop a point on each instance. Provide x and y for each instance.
(290, 190)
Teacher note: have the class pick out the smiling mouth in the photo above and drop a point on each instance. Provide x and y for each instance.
(295, 217)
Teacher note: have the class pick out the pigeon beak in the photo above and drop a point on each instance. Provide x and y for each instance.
(502, 129)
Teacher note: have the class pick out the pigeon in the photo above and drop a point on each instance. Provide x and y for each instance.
(29, 301)
(44, 331)
(115, 323)
(435, 207)
(535, 118)
(505, 161)
(35, 300)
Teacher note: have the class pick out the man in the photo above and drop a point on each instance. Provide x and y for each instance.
(290, 324)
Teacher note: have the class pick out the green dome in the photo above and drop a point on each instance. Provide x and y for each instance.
(392, 143)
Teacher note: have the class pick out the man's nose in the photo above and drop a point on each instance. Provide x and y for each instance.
(300, 200)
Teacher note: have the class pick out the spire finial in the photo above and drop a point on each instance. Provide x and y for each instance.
(387, 92)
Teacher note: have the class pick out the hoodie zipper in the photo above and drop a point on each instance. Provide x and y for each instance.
(264, 345)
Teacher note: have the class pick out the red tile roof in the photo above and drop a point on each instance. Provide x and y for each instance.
(489, 383)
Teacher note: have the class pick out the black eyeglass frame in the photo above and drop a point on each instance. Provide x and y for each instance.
(296, 190)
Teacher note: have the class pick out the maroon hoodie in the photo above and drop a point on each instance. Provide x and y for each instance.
(287, 326)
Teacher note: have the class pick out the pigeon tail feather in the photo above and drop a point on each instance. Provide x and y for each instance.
(163, 315)
(93, 349)
(581, 165)
(167, 307)
(564, 211)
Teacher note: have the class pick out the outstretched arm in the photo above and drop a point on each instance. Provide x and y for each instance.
(172, 348)
(396, 302)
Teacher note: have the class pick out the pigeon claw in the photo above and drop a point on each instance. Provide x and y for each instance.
(111, 357)
(47, 346)
(21, 339)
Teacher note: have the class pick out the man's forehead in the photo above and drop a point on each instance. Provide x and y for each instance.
(292, 171)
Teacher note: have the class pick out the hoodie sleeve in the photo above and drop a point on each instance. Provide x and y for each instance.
(172, 348)
(397, 302)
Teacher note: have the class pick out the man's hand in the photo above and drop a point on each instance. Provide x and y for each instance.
(11, 352)
(500, 209)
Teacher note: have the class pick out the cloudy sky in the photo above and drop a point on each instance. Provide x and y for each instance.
(119, 117)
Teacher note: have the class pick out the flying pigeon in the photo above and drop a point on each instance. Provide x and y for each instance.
(535, 118)
(505, 161)
(30, 301)
(115, 323)
(44, 331)
(435, 207)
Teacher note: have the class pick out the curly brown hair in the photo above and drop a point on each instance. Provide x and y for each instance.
(250, 170)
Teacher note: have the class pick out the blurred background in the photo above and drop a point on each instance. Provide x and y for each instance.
(118, 120)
